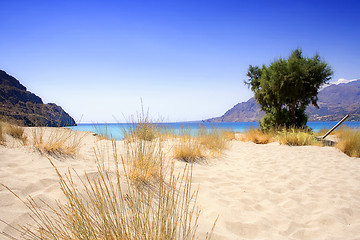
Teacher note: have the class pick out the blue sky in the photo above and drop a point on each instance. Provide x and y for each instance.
(186, 60)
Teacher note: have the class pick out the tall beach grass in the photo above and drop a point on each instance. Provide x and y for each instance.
(206, 142)
(213, 139)
(102, 133)
(142, 127)
(110, 205)
(58, 142)
(139, 196)
(16, 132)
(145, 160)
(257, 136)
(349, 141)
(188, 149)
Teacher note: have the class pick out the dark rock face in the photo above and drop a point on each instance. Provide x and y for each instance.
(18, 104)
(335, 101)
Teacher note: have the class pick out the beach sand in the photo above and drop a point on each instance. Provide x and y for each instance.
(257, 191)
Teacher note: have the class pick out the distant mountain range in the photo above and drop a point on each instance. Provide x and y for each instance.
(21, 106)
(335, 101)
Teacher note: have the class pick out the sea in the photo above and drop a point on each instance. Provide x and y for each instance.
(117, 130)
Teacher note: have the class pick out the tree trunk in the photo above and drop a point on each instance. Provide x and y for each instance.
(292, 112)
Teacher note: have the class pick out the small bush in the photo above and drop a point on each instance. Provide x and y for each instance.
(291, 137)
(257, 136)
(296, 137)
(349, 141)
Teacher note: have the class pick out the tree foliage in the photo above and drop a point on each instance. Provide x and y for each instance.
(286, 87)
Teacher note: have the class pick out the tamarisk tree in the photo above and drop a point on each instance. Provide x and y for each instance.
(286, 87)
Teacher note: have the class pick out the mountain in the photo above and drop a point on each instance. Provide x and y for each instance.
(242, 112)
(19, 105)
(335, 101)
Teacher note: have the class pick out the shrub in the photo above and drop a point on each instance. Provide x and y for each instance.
(349, 141)
(297, 137)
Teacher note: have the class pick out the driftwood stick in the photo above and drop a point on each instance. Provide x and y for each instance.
(341, 121)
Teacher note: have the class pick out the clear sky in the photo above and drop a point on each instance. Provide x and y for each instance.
(187, 60)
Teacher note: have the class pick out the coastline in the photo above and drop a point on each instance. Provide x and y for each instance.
(116, 129)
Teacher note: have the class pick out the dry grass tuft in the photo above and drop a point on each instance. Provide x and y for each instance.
(188, 149)
(102, 134)
(291, 137)
(142, 128)
(296, 137)
(257, 136)
(58, 142)
(145, 160)
(349, 141)
(146, 131)
(143, 150)
(212, 139)
(206, 142)
(110, 206)
(16, 132)
(228, 135)
(322, 132)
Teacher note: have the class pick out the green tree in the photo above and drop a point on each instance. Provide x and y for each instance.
(286, 87)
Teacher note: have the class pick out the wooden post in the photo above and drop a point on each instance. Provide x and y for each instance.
(341, 121)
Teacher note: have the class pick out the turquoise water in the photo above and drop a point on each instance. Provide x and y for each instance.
(116, 130)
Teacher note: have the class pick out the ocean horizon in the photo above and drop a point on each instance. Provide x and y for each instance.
(116, 130)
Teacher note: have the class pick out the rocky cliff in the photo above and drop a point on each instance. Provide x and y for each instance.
(335, 101)
(18, 104)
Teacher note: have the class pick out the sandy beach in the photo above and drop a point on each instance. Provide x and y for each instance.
(267, 191)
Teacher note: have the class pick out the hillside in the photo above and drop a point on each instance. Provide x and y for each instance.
(335, 101)
(21, 106)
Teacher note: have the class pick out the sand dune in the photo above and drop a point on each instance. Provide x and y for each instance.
(257, 191)
(281, 192)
